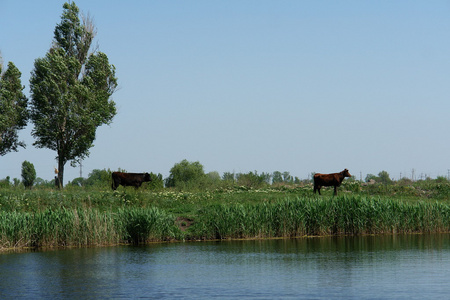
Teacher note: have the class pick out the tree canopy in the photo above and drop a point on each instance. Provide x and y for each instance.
(185, 172)
(28, 174)
(13, 109)
(71, 90)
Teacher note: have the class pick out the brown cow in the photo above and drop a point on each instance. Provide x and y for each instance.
(129, 179)
(334, 179)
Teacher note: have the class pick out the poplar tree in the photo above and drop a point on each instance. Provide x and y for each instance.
(13, 109)
(71, 91)
(28, 174)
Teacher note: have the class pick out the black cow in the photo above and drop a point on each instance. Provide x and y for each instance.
(334, 179)
(129, 179)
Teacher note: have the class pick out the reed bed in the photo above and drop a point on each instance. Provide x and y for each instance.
(344, 215)
(93, 218)
(84, 227)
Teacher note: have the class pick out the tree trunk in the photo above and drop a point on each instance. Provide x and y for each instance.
(60, 171)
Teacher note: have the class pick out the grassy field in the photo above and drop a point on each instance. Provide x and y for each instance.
(94, 217)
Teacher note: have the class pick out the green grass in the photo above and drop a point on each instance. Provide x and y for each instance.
(93, 217)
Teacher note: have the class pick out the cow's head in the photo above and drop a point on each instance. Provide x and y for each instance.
(346, 173)
(147, 177)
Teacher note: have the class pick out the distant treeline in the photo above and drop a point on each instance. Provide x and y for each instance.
(187, 175)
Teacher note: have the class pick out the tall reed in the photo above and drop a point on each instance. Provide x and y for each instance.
(140, 225)
(84, 227)
(321, 216)
(105, 218)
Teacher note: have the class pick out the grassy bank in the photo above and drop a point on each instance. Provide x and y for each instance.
(80, 217)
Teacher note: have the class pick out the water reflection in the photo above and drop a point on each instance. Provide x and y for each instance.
(406, 266)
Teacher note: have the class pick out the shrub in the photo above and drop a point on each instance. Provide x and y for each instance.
(157, 182)
(253, 180)
(79, 181)
(99, 178)
(5, 183)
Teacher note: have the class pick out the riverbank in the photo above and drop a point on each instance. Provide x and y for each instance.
(79, 218)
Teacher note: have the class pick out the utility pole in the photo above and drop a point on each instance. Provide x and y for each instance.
(81, 169)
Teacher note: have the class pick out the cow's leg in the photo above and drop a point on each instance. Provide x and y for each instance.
(318, 189)
(335, 190)
(113, 186)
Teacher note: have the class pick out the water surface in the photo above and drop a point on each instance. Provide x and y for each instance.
(370, 267)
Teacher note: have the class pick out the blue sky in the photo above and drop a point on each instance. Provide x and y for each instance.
(297, 86)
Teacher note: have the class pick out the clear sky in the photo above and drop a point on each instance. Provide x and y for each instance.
(297, 86)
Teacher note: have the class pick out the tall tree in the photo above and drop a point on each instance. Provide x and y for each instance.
(277, 177)
(13, 109)
(384, 177)
(28, 174)
(185, 172)
(71, 89)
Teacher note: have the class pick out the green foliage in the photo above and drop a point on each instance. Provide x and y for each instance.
(70, 35)
(42, 183)
(16, 182)
(370, 177)
(253, 180)
(229, 177)
(4, 183)
(13, 109)
(383, 177)
(283, 178)
(70, 91)
(404, 181)
(28, 174)
(441, 179)
(185, 173)
(79, 181)
(99, 178)
(214, 176)
(157, 182)
(277, 177)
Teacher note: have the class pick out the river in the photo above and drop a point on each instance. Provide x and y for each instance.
(367, 267)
